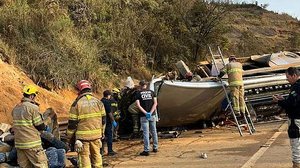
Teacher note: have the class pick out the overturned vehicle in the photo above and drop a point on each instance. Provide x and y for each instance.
(186, 102)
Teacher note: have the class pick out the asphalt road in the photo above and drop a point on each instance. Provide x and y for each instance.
(225, 148)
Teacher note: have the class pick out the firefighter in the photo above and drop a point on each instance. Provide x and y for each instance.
(115, 99)
(116, 94)
(86, 126)
(234, 70)
(27, 124)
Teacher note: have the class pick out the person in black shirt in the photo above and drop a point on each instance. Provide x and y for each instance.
(146, 102)
(110, 121)
(291, 105)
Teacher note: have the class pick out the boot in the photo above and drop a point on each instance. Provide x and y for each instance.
(296, 165)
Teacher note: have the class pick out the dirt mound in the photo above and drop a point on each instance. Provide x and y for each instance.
(12, 81)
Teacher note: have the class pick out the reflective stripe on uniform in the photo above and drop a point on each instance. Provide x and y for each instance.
(114, 104)
(28, 144)
(37, 119)
(92, 115)
(234, 83)
(234, 70)
(73, 116)
(23, 123)
(69, 132)
(81, 132)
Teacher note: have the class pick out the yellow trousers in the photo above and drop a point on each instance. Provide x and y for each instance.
(90, 155)
(238, 102)
(34, 157)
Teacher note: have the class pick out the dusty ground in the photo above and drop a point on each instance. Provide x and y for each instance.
(224, 148)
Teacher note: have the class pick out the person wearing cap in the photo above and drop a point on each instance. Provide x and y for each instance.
(146, 102)
(234, 70)
(129, 122)
(110, 122)
(115, 109)
(86, 126)
(27, 124)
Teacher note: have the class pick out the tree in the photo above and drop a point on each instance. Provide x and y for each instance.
(204, 22)
(294, 41)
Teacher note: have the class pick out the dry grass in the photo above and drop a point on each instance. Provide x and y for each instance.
(272, 31)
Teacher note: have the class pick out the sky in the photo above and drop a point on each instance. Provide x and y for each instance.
(291, 7)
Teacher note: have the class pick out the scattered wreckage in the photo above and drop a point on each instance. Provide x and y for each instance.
(183, 102)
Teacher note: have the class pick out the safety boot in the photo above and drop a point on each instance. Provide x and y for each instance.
(238, 114)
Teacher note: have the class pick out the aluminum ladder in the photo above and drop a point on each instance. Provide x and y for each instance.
(247, 116)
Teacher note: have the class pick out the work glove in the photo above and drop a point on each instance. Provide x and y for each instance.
(78, 146)
(114, 123)
(148, 115)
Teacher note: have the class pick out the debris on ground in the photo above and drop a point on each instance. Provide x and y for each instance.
(169, 134)
(198, 132)
(203, 155)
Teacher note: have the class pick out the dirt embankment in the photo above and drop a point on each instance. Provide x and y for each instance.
(12, 81)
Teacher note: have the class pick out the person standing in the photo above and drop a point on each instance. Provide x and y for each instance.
(234, 70)
(110, 122)
(291, 105)
(146, 102)
(86, 126)
(27, 122)
(115, 99)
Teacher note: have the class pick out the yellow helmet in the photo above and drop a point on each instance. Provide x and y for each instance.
(116, 90)
(30, 89)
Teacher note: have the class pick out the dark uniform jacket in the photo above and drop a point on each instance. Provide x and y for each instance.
(292, 107)
(107, 106)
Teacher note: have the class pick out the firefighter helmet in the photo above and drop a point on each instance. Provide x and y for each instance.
(116, 90)
(30, 89)
(83, 84)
